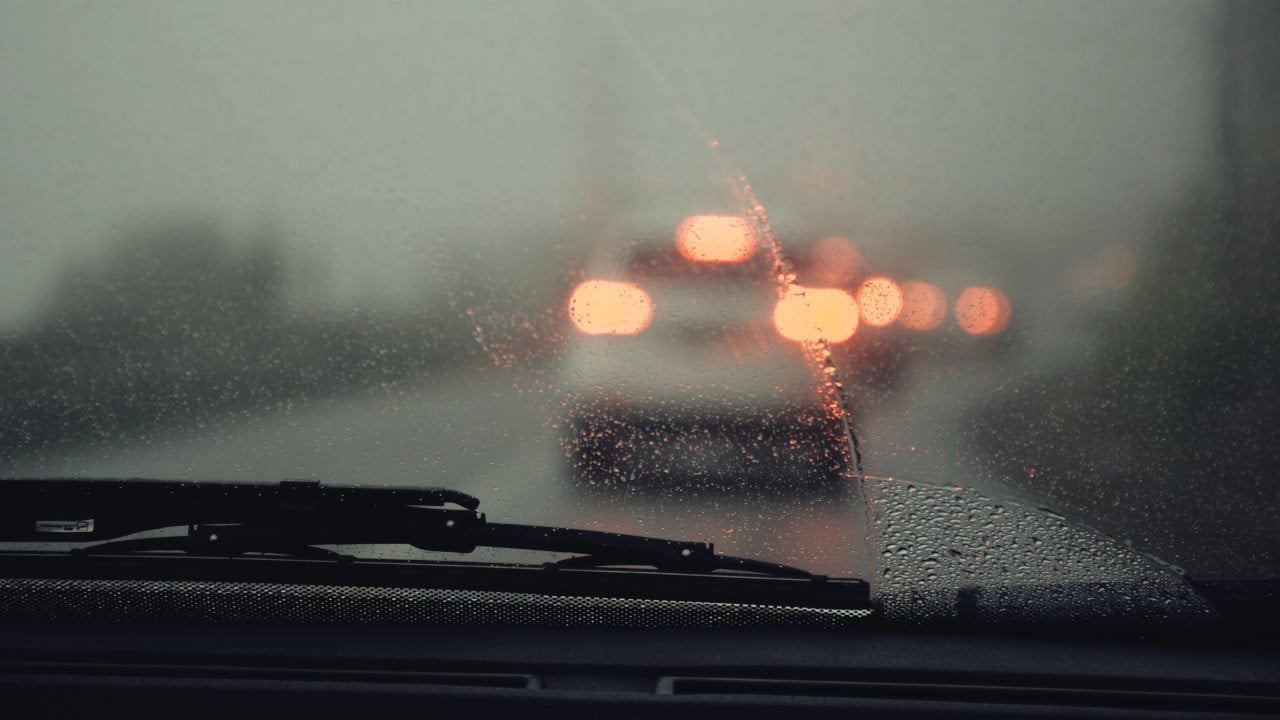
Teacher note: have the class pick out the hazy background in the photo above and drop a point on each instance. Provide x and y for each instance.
(371, 136)
(328, 239)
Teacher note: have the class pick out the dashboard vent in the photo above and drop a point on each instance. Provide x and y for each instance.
(257, 672)
(1208, 699)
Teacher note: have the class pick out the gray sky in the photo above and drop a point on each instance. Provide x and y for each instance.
(367, 132)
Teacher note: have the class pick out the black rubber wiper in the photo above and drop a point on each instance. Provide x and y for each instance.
(295, 517)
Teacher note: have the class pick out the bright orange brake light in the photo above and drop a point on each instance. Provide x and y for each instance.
(880, 300)
(924, 306)
(606, 307)
(716, 238)
(983, 311)
(815, 314)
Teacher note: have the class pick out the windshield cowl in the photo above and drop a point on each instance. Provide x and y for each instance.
(949, 555)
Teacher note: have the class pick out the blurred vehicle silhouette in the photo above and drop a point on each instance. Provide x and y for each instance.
(697, 349)
(688, 360)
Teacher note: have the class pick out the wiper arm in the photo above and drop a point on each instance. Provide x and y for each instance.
(294, 517)
(79, 510)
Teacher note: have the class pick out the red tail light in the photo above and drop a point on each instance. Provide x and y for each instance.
(880, 301)
(815, 314)
(716, 238)
(924, 306)
(606, 307)
(983, 311)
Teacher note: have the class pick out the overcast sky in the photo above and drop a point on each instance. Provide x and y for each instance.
(374, 134)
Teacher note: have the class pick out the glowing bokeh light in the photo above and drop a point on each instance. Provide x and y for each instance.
(983, 311)
(836, 261)
(816, 314)
(606, 307)
(880, 301)
(924, 306)
(716, 238)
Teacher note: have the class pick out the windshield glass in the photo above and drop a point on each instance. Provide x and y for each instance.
(688, 270)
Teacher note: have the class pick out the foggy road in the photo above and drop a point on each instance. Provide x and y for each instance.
(493, 433)
(302, 200)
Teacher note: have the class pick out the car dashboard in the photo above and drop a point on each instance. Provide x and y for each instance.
(147, 643)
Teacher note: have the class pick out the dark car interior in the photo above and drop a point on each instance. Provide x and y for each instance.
(135, 639)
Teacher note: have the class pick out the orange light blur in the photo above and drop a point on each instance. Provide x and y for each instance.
(815, 314)
(924, 306)
(836, 261)
(605, 307)
(983, 311)
(880, 301)
(715, 238)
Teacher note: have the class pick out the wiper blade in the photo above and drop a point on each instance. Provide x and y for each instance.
(293, 517)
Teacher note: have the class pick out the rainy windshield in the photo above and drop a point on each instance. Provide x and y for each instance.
(783, 278)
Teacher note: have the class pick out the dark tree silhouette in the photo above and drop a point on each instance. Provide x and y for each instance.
(177, 323)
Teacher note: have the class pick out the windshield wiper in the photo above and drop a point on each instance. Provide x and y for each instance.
(293, 518)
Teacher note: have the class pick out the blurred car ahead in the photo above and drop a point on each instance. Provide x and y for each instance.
(691, 358)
